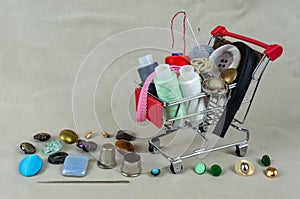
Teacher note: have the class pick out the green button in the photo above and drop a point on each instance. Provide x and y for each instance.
(215, 170)
(200, 168)
(266, 160)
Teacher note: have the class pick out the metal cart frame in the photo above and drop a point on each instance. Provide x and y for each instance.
(215, 108)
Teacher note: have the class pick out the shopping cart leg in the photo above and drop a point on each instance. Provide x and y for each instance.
(154, 144)
(241, 149)
(176, 166)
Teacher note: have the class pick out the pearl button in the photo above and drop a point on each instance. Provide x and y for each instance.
(226, 56)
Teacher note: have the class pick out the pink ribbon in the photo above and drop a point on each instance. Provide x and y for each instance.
(141, 111)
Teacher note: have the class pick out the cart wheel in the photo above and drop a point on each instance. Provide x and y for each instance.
(176, 170)
(203, 127)
(151, 149)
(241, 150)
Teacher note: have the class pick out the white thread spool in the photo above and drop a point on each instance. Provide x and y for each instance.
(190, 85)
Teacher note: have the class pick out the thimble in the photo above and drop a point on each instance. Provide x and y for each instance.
(107, 158)
(131, 165)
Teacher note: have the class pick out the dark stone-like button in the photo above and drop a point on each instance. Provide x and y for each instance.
(57, 158)
(42, 136)
(27, 148)
(125, 135)
(265, 160)
(215, 170)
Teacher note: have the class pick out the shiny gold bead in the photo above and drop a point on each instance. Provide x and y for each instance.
(271, 172)
(229, 75)
(88, 134)
(68, 136)
(244, 168)
(106, 134)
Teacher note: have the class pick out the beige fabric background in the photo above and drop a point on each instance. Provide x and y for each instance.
(44, 43)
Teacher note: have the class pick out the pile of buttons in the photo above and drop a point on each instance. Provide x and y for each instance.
(73, 165)
(241, 167)
(76, 165)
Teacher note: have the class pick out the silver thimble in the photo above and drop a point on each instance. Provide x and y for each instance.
(131, 165)
(107, 158)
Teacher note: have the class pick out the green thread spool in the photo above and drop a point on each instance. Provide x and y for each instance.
(168, 90)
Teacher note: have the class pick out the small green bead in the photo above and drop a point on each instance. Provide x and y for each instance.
(200, 168)
(215, 170)
(266, 161)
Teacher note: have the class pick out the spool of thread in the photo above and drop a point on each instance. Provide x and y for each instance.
(168, 90)
(147, 66)
(190, 85)
(177, 60)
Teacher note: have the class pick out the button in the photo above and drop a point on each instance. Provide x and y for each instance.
(75, 165)
(265, 160)
(227, 56)
(215, 170)
(155, 171)
(271, 172)
(215, 86)
(244, 168)
(200, 168)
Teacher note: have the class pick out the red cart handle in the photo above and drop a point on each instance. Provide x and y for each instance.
(273, 51)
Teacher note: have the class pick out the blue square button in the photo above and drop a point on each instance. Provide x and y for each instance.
(75, 165)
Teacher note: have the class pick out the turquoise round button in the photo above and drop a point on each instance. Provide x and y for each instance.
(200, 168)
(30, 165)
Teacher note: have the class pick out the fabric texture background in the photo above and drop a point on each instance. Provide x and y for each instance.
(44, 43)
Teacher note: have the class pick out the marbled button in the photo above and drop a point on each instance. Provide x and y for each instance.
(27, 148)
(125, 135)
(86, 145)
(57, 158)
(42, 136)
(51, 147)
(123, 146)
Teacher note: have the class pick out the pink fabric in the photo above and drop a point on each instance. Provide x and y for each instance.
(141, 111)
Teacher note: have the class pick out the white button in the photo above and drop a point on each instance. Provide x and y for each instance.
(227, 56)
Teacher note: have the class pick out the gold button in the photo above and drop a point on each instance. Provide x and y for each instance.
(244, 168)
(271, 172)
(106, 134)
(68, 136)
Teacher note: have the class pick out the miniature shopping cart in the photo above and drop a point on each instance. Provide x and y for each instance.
(214, 105)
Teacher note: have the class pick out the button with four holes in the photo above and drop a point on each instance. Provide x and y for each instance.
(226, 56)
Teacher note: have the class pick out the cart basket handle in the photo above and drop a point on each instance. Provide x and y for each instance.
(273, 51)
